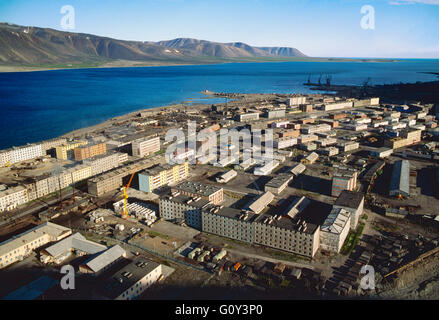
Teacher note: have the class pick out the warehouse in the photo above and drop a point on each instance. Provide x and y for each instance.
(381, 152)
(297, 206)
(399, 183)
(98, 264)
(298, 169)
(266, 169)
(227, 176)
(310, 159)
(261, 202)
(278, 184)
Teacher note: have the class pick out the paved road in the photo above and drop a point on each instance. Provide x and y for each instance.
(273, 260)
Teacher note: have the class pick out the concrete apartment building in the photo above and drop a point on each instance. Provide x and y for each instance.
(89, 151)
(284, 142)
(132, 280)
(311, 129)
(49, 145)
(287, 234)
(295, 101)
(11, 198)
(229, 222)
(348, 146)
(334, 230)
(177, 208)
(244, 117)
(343, 180)
(162, 175)
(102, 163)
(18, 154)
(144, 147)
(353, 202)
(275, 113)
(22, 245)
(196, 189)
(112, 180)
(66, 150)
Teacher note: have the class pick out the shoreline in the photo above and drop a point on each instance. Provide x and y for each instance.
(138, 64)
(347, 90)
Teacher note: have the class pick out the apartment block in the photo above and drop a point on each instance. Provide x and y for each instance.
(180, 207)
(22, 245)
(204, 191)
(334, 230)
(89, 151)
(52, 144)
(229, 222)
(353, 202)
(287, 234)
(162, 175)
(343, 180)
(12, 198)
(66, 150)
(102, 163)
(144, 147)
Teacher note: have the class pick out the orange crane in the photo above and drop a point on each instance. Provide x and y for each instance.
(125, 195)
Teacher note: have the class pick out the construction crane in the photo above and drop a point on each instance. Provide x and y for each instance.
(125, 195)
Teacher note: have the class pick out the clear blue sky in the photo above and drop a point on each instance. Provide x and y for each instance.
(326, 28)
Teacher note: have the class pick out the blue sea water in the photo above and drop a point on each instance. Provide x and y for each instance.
(41, 105)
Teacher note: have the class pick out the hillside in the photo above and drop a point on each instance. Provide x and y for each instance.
(32, 46)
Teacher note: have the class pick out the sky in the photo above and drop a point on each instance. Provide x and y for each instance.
(319, 28)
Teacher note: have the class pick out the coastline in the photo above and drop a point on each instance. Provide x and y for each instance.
(144, 64)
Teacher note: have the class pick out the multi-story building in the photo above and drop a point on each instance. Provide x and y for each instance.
(18, 154)
(284, 233)
(123, 157)
(310, 129)
(295, 101)
(132, 280)
(12, 198)
(276, 113)
(334, 230)
(89, 151)
(162, 175)
(113, 179)
(352, 202)
(22, 245)
(348, 146)
(329, 151)
(343, 180)
(181, 208)
(284, 142)
(102, 163)
(66, 150)
(52, 144)
(338, 105)
(81, 172)
(144, 147)
(244, 117)
(229, 222)
(204, 191)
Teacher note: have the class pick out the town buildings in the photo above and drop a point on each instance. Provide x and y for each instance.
(144, 147)
(343, 180)
(89, 150)
(352, 202)
(66, 150)
(162, 175)
(204, 191)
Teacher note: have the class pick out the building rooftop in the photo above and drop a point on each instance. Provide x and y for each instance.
(349, 199)
(198, 188)
(76, 241)
(31, 235)
(400, 177)
(119, 281)
(261, 202)
(105, 258)
(336, 221)
(279, 180)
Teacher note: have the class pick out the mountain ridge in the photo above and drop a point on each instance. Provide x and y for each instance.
(23, 45)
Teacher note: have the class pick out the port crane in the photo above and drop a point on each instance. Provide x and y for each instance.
(125, 195)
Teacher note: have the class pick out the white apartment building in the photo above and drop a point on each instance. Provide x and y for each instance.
(12, 198)
(144, 147)
(335, 229)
